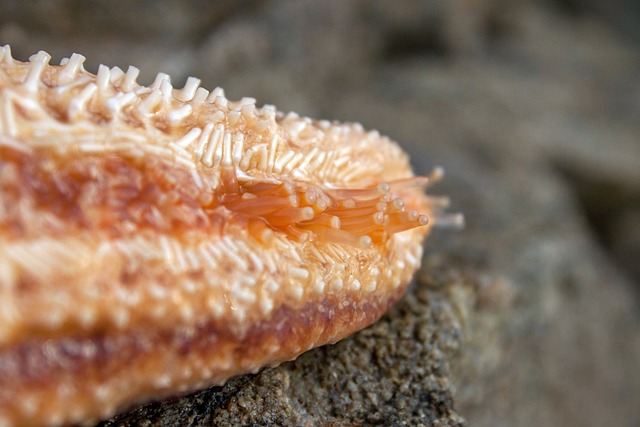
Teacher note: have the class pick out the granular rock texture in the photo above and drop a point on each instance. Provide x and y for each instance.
(528, 317)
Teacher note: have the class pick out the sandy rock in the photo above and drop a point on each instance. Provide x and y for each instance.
(527, 317)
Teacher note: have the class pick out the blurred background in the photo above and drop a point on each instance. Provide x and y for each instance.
(532, 107)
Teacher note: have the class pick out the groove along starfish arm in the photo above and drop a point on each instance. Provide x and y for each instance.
(158, 240)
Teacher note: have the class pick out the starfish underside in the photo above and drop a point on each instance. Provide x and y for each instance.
(158, 240)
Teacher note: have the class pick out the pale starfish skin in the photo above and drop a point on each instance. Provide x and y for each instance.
(156, 241)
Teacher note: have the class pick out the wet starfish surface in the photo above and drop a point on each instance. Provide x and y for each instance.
(159, 240)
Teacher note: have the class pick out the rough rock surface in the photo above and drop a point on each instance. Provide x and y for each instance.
(528, 317)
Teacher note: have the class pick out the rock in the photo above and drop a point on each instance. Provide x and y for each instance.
(528, 316)
(543, 161)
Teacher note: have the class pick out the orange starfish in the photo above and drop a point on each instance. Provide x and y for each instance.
(159, 240)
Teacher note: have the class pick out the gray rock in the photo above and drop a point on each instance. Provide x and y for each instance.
(527, 317)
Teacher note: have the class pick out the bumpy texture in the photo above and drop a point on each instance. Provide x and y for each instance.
(156, 240)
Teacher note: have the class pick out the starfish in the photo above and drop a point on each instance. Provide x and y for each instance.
(156, 240)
